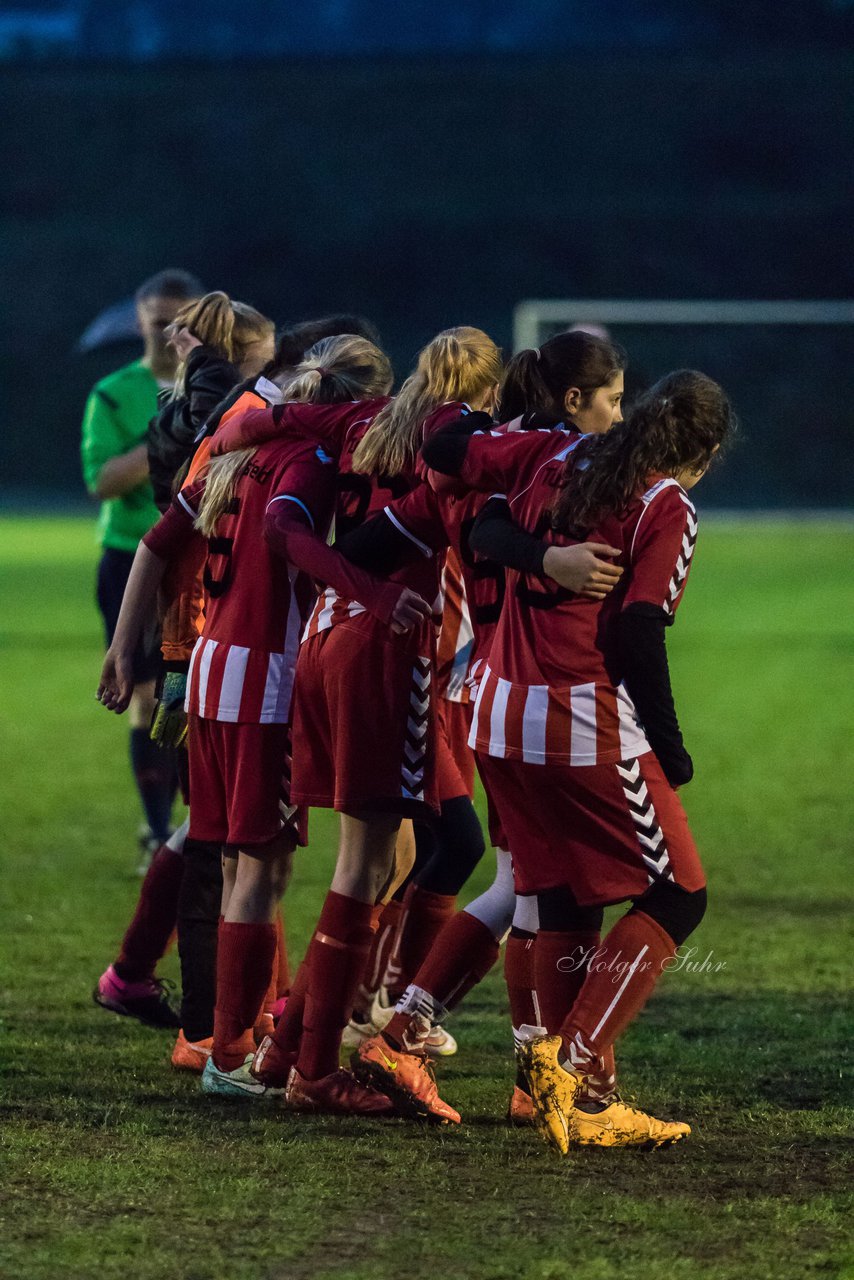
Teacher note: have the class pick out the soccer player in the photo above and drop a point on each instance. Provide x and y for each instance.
(577, 733)
(241, 677)
(218, 342)
(115, 469)
(365, 723)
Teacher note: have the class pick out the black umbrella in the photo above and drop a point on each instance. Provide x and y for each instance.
(117, 323)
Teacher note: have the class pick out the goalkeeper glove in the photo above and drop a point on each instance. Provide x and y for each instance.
(169, 724)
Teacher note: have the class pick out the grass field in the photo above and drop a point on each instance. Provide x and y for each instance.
(113, 1167)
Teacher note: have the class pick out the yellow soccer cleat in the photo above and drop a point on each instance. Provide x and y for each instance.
(553, 1090)
(619, 1125)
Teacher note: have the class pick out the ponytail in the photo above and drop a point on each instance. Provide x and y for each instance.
(459, 364)
(537, 379)
(227, 327)
(333, 371)
(680, 422)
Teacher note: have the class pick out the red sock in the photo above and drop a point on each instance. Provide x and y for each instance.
(153, 921)
(560, 967)
(244, 962)
(282, 970)
(461, 957)
(519, 976)
(425, 915)
(617, 988)
(337, 959)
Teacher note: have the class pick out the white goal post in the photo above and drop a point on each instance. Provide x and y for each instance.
(536, 318)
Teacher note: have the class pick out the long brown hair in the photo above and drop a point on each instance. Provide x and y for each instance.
(459, 364)
(333, 371)
(229, 327)
(537, 379)
(678, 423)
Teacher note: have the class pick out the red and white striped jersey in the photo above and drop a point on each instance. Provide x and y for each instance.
(256, 605)
(551, 691)
(361, 496)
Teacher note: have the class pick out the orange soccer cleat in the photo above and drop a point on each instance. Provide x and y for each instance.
(339, 1093)
(191, 1055)
(406, 1078)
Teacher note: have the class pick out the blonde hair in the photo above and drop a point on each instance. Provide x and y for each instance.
(459, 364)
(333, 371)
(229, 327)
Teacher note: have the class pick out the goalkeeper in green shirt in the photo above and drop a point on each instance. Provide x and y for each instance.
(115, 469)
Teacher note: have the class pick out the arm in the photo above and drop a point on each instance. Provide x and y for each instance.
(288, 530)
(325, 423)
(643, 659)
(661, 553)
(110, 469)
(579, 568)
(408, 530)
(122, 473)
(150, 563)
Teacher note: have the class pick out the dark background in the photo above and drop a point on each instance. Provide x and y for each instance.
(430, 165)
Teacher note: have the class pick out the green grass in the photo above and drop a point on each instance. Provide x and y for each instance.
(113, 1167)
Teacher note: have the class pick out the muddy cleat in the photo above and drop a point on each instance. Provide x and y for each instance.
(147, 1001)
(239, 1083)
(339, 1094)
(553, 1090)
(406, 1078)
(271, 1065)
(440, 1043)
(521, 1108)
(616, 1124)
(190, 1055)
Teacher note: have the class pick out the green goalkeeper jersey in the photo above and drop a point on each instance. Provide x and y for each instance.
(115, 421)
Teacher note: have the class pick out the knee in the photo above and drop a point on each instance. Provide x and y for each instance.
(676, 910)
(559, 912)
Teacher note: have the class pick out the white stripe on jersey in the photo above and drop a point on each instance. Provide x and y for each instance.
(194, 657)
(632, 738)
(534, 719)
(270, 701)
(204, 671)
(582, 740)
(185, 504)
(231, 692)
(499, 710)
(407, 533)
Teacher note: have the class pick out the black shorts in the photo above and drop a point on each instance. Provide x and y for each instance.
(113, 573)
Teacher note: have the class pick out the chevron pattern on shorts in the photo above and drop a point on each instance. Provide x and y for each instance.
(415, 739)
(649, 833)
(287, 812)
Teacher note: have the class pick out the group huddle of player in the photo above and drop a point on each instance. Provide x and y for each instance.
(363, 599)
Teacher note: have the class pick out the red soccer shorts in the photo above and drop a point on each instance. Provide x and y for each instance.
(240, 783)
(454, 756)
(364, 724)
(605, 831)
(497, 835)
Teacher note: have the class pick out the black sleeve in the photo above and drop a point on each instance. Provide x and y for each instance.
(496, 536)
(643, 660)
(210, 377)
(445, 450)
(172, 433)
(378, 546)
